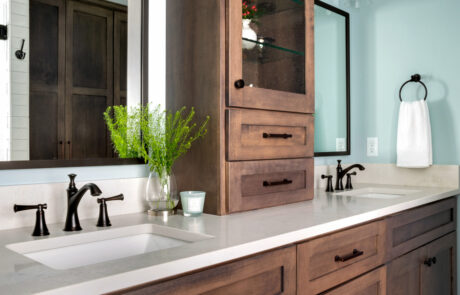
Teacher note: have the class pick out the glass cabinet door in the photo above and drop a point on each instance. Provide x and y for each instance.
(271, 55)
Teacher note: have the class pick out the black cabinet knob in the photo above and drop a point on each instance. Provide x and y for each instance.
(239, 84)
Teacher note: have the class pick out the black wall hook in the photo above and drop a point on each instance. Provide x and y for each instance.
(3, 32)
(417, 79)
(20, 54)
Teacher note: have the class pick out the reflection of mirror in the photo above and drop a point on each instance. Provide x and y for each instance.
(332, 87)
(75, 67)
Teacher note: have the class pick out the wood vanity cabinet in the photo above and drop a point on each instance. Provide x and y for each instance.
(259, 95)
(362, 260)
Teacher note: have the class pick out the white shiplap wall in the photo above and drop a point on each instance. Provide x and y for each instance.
(19, 120)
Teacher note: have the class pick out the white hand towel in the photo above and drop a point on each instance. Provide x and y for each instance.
(414, 148)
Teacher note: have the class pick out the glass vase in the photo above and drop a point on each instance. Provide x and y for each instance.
(161, 193)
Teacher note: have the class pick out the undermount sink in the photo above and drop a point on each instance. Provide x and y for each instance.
(377, 193)
(104, 245)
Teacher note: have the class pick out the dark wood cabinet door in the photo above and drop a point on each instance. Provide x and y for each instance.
(438, 273)
(47, 79)
(429, 270)
(89, 79)
(270, 273)
(278, 72)
(120, 57)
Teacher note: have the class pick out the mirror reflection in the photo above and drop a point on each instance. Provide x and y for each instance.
(75, 66)
(331, 80)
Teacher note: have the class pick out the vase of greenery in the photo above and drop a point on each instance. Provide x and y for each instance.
(159, 138)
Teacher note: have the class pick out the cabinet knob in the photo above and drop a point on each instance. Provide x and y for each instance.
(430, 261)
(239, 84)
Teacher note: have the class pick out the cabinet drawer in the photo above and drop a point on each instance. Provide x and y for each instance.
(271, 273)
(339, 257)
(372, 283)
(257, 135)
(414, 228)
(259, 184)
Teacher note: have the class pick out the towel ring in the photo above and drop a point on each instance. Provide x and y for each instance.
(414, 78)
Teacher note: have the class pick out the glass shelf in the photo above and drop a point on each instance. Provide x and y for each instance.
(265, 44)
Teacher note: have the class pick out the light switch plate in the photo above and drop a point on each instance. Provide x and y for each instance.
(372, 146)
(340, 145)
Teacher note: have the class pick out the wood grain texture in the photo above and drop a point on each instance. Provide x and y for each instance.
(247, 191)
(408, 275)
(414, 228)
(195, 78)
(260, 98)
(273, 272)
(372, 283)
(245, 139)
(317, 268)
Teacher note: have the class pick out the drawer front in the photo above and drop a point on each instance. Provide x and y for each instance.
(334, 259)
(271, 273)
(414, 228)
(372, 283)
(258, 135)
(260, 184)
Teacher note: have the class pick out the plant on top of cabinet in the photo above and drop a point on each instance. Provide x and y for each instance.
(160, 138)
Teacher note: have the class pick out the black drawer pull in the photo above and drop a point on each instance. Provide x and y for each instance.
(272, 183)
(355, 254)
(275, 135)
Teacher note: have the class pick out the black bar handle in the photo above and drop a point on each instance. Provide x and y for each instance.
(352, 255)
(276, 135)
(272, 183)
(18, 208)
(119, 197)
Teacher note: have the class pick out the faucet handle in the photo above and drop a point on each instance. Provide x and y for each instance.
(329, 182)
(103, 219)
(72, 181)
(349, 185)
(40, 224)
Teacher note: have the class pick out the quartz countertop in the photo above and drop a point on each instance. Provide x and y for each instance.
(234, 236)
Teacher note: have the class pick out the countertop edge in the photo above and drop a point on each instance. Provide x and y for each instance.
(197, 262)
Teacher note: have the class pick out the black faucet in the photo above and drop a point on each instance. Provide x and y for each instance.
(342, 172)
(74, 195)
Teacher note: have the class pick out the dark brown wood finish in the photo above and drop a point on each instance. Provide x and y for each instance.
(372, 283)
(89, 80)
(269, 273)
(120, 58)
(318, 268)
(409, 230)
(411, 274)
(250, 181)
(47, 79)
(246, 141)
(260, 98)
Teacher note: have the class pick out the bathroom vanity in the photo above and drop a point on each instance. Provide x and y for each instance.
(377, 239)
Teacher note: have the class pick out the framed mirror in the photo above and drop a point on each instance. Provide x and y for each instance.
(332, 81)
(78, 58)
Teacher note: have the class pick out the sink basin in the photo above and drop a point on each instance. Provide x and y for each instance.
(377, 193)
(78, 250)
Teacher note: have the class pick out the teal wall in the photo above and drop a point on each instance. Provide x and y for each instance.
(391, 40)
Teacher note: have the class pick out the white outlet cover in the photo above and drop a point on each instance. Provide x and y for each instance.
(340, 145)
(372, 146)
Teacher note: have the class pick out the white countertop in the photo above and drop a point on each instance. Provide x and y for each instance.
(234, 236)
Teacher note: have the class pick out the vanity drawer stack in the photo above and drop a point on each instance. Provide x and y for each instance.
(259, 149)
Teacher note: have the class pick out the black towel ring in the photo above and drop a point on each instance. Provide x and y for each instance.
(414, 78)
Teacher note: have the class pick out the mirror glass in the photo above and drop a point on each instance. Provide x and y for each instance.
(72, 67)
(332, 135)
(274, 45)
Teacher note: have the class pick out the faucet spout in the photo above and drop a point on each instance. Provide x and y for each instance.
(74, 196)
(342, 172)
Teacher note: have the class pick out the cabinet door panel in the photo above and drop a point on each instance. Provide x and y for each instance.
(89, 77)
(372, 283)
(278, 71)
(270, 273)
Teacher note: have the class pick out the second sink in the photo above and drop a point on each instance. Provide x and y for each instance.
(377, 193)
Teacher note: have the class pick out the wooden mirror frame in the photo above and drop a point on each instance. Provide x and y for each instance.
(5, 165)
(347, 53)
